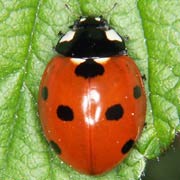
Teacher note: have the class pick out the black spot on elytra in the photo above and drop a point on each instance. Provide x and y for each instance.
(65, 113)
(137, 92)
(55, 146)
(44, 93)
(127, 146)
(89, 69)
(114, 112)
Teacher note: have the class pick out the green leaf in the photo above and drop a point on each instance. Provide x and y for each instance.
(28, 31)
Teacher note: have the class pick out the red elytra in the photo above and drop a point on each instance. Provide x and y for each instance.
(92, 110)
(89, 142)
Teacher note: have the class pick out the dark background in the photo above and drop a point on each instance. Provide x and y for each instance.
(167, 166)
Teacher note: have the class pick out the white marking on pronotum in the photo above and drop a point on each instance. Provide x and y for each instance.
(112, 35)
(68, 36)
(97, 18)
(101, 60)
(98, 60)
(77, 60)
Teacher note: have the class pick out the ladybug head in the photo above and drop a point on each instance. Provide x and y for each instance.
(91, 22)
(91, 37)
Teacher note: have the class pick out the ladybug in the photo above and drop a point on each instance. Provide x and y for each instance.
(92, 101)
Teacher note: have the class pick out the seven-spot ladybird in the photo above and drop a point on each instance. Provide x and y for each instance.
(92, 102)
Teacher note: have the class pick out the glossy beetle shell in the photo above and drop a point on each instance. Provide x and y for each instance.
(86, 138)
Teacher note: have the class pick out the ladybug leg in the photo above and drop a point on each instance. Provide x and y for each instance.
(144, 77)
(54, 48)
(126, 38)
(124, 52)
(60, 34)
(145, 124)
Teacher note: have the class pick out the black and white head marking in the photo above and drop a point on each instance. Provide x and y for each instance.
(91, 37)
(113, 36)
(97, 18)
(68, 36)
(78, 61)
(82, 19)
